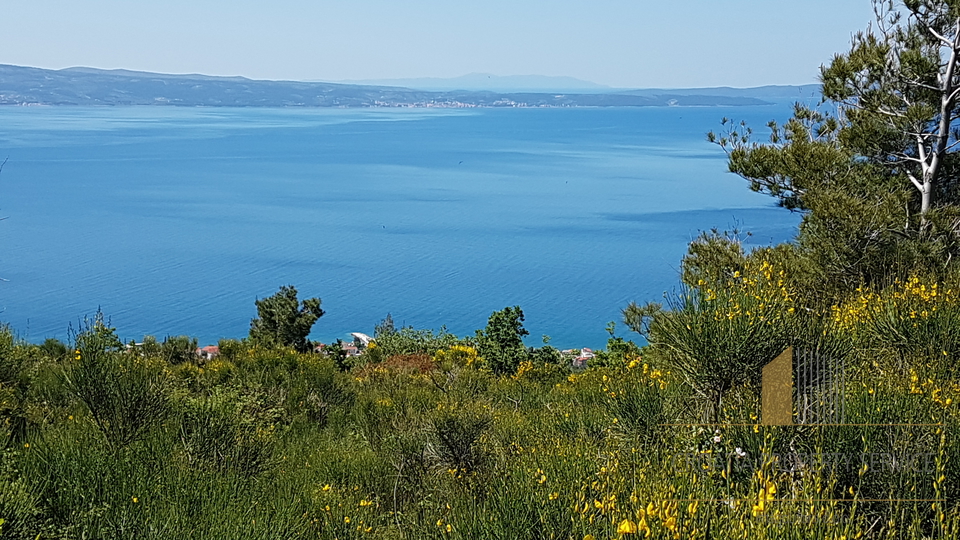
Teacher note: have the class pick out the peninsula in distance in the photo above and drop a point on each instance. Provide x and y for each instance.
(92, 87)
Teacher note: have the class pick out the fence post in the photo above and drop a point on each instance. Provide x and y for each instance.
(776, 404)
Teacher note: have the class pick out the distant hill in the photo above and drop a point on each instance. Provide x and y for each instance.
(88, 86)
(775, 94)
(495, 83)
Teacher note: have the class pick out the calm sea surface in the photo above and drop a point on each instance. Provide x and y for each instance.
(173, 220)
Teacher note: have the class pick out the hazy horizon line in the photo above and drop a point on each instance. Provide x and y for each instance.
(370, 82)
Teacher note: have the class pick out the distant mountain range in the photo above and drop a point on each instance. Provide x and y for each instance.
(494, 83)
(87, 86)
(776, 94)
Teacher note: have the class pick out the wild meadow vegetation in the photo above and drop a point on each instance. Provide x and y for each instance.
(427, 434)
(422, 436)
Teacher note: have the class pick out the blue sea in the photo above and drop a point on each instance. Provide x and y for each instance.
(174, 220)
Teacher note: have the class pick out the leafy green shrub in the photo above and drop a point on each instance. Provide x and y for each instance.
(457, 431)
(541, 373)
(716, 340)
(619, 352)
(407, 453)
(408, 340)
(545, 355)
(231, 349)
(470, 385)
(150, 348)
(917, 319)
(370, 418)
(213, 436)
(125, 395)
(199, 378)
(54, 349)
(16, 361)
(713, 257)
(637, 402)
(19, 509)
(179, 349)
(316, 389)
(338, 354)
(399, 363)
(11, 362)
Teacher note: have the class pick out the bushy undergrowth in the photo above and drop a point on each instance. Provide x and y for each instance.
(421, 439)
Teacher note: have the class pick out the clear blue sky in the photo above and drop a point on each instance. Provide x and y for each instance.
(623, 43)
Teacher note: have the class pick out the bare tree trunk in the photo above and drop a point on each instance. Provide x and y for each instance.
(925, 199)
(948, 88)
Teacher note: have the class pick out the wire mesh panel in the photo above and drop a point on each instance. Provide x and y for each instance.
(818, 390)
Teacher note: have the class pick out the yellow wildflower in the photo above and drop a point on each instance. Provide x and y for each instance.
(627, 527)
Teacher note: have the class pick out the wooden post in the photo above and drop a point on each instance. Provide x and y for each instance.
(776, 403)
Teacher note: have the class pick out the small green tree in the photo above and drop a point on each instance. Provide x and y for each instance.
(385, 327)
(54, 349)
(338, 354)
(285, 321)
(179, 349)
(501, 342)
